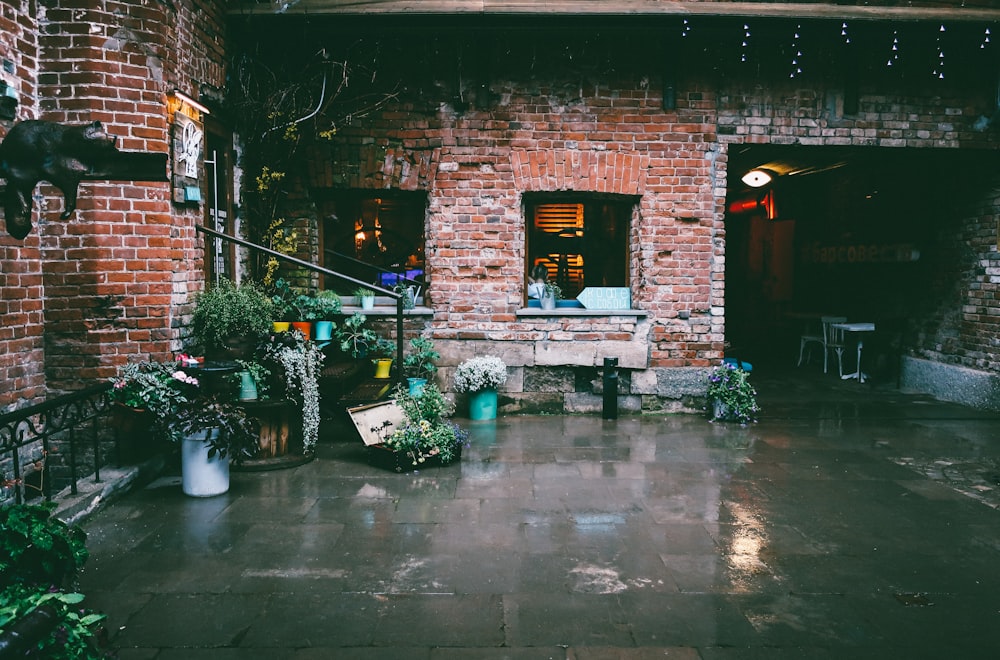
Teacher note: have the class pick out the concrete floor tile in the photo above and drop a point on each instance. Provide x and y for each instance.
(835, 527)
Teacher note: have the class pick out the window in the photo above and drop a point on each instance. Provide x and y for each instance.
(382, 231)
(581, 241)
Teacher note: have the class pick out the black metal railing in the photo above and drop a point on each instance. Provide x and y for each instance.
(398, 297)
(36, 438)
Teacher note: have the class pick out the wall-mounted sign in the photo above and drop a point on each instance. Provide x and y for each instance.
(606, 297)
(187, 147)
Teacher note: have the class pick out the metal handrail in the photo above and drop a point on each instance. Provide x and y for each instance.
(398, 297)
(365, 264)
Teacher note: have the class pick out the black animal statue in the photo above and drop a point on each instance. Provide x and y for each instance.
(63, 155)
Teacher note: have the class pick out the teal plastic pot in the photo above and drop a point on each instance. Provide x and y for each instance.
(483, 405)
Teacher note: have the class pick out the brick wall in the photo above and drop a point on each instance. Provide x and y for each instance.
(21, 318)
(113, 282)
(575, 130)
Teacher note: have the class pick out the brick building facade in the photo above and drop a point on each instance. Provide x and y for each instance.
(111, 283)
(493, 118)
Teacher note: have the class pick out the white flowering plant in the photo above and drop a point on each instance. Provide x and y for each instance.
(300, 361)
(480, 373)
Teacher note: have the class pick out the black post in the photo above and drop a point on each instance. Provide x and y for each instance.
(610, 388)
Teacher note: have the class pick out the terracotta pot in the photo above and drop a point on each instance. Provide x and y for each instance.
(305, 327)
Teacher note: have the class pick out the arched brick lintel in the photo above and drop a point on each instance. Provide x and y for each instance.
(582, 171)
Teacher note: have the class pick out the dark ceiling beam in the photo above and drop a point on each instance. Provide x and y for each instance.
(823, 10)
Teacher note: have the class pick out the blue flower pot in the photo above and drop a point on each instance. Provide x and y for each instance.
(483, 405)
(416, 385)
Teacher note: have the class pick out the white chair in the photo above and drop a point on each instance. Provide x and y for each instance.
(822, 338)
(833, 340)
(810, 338)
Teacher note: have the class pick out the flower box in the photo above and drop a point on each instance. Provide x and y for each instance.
(400, 461)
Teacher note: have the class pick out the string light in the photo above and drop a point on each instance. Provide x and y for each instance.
(986, 39)
(939, 71)
(894, 51)
(746, 42)
(843, 32)
(796, 68)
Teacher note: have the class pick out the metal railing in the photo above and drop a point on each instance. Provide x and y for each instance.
(69, 421)
(398, 297)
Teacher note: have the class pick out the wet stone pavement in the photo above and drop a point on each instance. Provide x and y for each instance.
(851, 522)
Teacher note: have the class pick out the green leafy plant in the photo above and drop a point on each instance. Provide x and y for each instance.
(356, 338)
(363, 292)
(237, 434)
(730, 388)
(37, 548)
(480, 373)
(552, 290)
(226, 313)
(147, 385)
(426, 432)
(75, 635)
(283, 302)
(420, 361)
(328, 305)
(40, 557)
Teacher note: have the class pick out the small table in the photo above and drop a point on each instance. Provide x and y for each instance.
(856, 328)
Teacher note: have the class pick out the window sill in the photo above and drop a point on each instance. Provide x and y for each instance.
(386, 310)
(578, 311)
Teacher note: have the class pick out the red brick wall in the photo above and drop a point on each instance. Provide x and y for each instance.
(22, 378)
(112, 282)
(612, 135)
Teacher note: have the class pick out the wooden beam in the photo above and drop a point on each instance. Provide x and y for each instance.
(802, 10)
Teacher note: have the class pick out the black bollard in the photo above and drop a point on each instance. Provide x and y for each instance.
(610, 388)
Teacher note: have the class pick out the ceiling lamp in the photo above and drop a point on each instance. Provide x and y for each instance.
(757, 178)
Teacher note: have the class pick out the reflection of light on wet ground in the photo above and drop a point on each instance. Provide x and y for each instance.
(743, 552)
(597, 523)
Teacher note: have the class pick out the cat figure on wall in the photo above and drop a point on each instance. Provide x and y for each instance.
(61, 154)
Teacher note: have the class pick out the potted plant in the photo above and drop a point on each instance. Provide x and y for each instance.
(365, 297)
(731, 397)
(425, 438)
(551, 293)
(142, 396)
(354, 337)
(212, 430)
(481, 377)
(408, 292)
(283, 310)
(326, 307)
(419, 363)
(229, 320)
(299, 362)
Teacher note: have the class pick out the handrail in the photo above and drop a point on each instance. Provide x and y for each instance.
(398, 297)
(365, 264)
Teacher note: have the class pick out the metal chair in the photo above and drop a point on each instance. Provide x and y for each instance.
(823, 339)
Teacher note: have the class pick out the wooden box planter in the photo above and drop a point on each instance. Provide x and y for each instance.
(280, 423)
(399, 461)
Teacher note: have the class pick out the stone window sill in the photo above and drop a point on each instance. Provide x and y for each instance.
(579, 312)
(386, 310)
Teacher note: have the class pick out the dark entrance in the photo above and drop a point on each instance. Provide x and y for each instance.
(868, 234)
